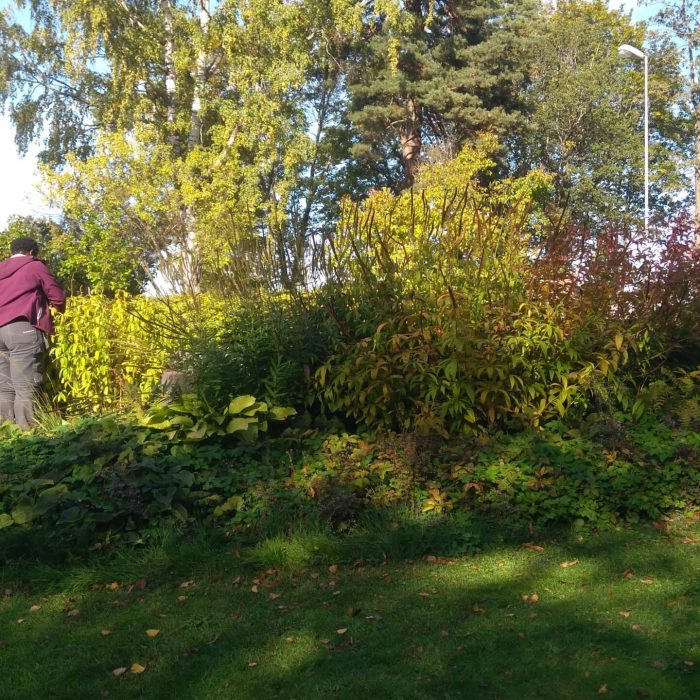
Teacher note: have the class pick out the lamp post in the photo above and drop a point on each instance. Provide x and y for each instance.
(627, 50)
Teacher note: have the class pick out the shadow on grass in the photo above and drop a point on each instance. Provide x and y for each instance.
(506, 623)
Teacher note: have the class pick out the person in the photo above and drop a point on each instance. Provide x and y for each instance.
(27, 289)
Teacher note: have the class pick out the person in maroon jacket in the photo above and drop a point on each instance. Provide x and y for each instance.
(27, 289)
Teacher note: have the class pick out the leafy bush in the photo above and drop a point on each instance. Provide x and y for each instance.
(103, 479)
(268, 349)
(443, 372)
(107, 352)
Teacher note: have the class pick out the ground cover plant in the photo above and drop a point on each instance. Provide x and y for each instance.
(533, 614)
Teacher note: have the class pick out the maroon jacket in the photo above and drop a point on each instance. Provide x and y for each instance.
(27, 288)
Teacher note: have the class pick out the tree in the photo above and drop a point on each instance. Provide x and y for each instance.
(586, 106)
(205, 106)
(436, 72)
(681, 18)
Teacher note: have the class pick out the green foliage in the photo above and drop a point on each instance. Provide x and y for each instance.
(108, 352)
(190, 419)
(442, 372)
(268, 349)
(586, 105)
(117, 479)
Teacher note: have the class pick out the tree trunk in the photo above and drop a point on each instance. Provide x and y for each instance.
(170, 74)
(200, 76)
(410, 137)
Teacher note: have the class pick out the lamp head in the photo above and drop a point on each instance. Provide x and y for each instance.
(627, 50)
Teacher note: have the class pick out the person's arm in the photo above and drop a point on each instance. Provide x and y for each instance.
(52, 289)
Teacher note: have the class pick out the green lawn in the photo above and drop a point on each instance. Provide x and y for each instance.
(284, 621)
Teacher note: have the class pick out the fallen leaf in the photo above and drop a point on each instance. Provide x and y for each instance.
(254, 588)
(137, 668)
(289, 639)
(444, 633)
(152, 632)
(688, 540)
(333, 568)
(105, 632)
(187, 584)
(625, 613)
(252, 664)
(182, 597)
(636, 627)
(648, 581)
(73, 613)
(534, 547)
(353, 612)
(119, 671)
(112, 586)
(342, 630)
(424, 595)
(20, 621)
(603, 689)
(34, 608)
(476, 608)
(275, 596)
(566, 564)
(690, 664)
(533, 598)
(627, 573)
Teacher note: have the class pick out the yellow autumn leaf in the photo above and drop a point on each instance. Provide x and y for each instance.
(137, 668)
(105, 632)
(152, 632)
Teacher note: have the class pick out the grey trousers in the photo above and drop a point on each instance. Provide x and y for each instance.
(21, 350)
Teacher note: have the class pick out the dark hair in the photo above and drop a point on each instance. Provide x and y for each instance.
(24, 244)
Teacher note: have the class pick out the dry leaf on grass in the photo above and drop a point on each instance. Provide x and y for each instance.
(119, 671)
(625, 613)
(534, 547)
(566, 564)
(603, 689)
(342, 630)
(73, 613)
(105, 632)
(152, 632)
(137, 668)
(34, 608)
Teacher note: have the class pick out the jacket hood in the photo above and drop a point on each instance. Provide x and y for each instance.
(11, 265)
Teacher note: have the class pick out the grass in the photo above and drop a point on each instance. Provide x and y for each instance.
(304, 618)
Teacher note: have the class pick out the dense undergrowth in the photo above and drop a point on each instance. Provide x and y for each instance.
(94, 483)
(464, 357)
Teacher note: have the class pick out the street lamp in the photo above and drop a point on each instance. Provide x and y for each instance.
(627, 50)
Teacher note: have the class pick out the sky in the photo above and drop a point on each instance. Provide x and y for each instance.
(19, 178)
